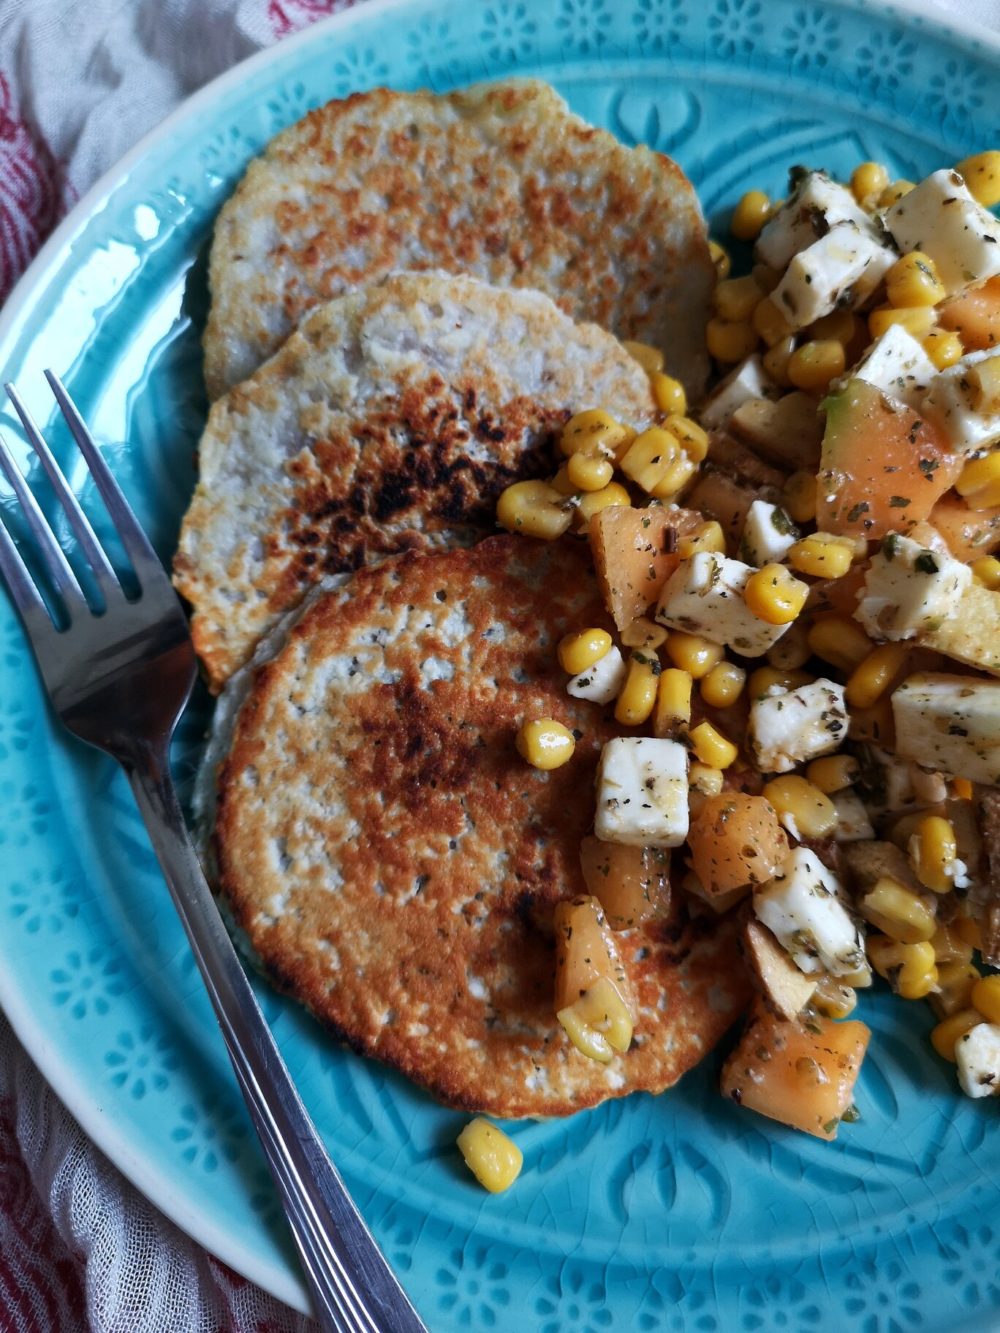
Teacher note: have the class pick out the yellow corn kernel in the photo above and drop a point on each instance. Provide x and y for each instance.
(708, 781)
(643, 633)
(986, 998)
(813, 365)
(775, 361)
(675, 478)
(749, 215)
(963, 789)
(720, 258)
(711, 747)
(840, 641)
(832, 998)
(969, 930)
(987, 572)
(577, 652)
(773, 594)
(598, 1023)
(868, 180)
(875, 724)
(692, 439)
(493, 1158)
(945, 1037)
(933, 849)
(823, 555)
(876, 674)
(729, 342)
(673, 702)
(894, 192)
(638, 694)
(587, 473)
(909, 968)
(791, 650)
(979, 481)
(981, 173)
(833, 772)
(561, 483)
(650, 458)
(956, 982)
(534, 508)
(914, 281)
(594, 501)
(692, 653)
(769, 322)
(735, 299)
(545, 743)
(803, 809)
(723, 685)
(668, 393)
(898, 911)
(799, 496)
(984, 380)
(943, 347)
(708, 537)
(840, 325)
(650, 358)
(949, 947)
(594, 432)
(765, 679)
(915, 319)
(859, 980)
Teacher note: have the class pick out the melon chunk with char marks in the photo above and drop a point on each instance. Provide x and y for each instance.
(635, 552)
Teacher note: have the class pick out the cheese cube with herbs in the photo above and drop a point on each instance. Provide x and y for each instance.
(898, 365)
(747, 382)
(704, 596)
(853, 824)
(952, 403)
(941, 218)
(977, 1054)
(768, 534)
(951, 722)
(909, 590)
(841, 269)
(601, 682)
(817, 203)
(802, 908)
(642, 792)
(788, 728)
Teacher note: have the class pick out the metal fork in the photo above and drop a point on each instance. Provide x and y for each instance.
(119, 681)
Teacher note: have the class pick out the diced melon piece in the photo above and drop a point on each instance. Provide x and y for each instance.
(735, 839)
(974, 316)
(631, 555)
(968, 533)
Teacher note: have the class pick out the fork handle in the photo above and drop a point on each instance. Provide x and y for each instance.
(353, 1288)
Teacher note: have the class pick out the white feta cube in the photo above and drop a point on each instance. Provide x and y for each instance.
(642, 792)
(853, 824)
(768, 533)
(842, 268)
(977, 1054)
(910, 590)
(601, 682)
(940, 217)
(952, 722)
(788, 728)
(704, 596)
(898, 365)
(816, 205)
(801, 906)
(950, 404)
(746, 382)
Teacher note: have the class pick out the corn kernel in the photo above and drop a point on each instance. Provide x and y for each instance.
(708, 537)
(711, 747)
(577, 652)
(598, 1023)
(868, 180)
(650, 358)
(773, 594)
(822, 555)
(933, 850)
(668, 393)
(987, 572)
(729, 342)
(692, 653)
(984, 380)
(833, 772)
(736, 298)
(692, 439)
(832, 998)
(914, 281)
(813, 365)
(894, 192)
(643, 633)
(899, 912)
(545, 743)
(986, 998)
(840, 641)
(956, 982)
(791, 650)
(943, 347)
(876, 674)
(561, 483)
(979, 482)
(493, 1158)
(750, 214)
(799, 496)
(839, 325)
(594, 501)
(945, 1037)
(673, 702)
(949, 947)
(909, 968)
(981, 173)
(769, 322)
(963, 789)
(723, 685)
(586, 473)
(805, 811)
(650, 458)
(915, 319)
(638, 694)
(775, 361)
(969, 930)
(875, 724)
(594, 432)
(705, 780)
(720, 258)
(535, 509)
(765, 679)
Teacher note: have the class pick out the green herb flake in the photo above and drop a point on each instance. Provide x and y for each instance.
(925, 563)
(898, 502)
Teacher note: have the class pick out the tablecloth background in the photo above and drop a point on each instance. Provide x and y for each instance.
(81, 1251)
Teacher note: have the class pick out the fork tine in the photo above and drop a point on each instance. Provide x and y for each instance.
(56, 563)
(79, 522)
(19, 582)
(144, 559)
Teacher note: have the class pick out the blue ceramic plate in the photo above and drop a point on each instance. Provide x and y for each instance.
(678, 1212)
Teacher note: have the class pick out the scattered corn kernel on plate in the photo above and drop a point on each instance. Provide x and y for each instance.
(809, 589)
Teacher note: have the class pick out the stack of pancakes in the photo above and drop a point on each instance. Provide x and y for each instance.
(394, 339)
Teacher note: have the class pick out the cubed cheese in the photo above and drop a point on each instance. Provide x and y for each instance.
(941, 218)
(705, 596)
(746, 382)
(950, 404)
(767, 534)
(788, 728)
(842, 268)
(817, 204)
(601, 682)
(977, 1054)
(952, 722)
(853, 824)
(910, 591)
(898, 365)
(802, 908)
(642, 792)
